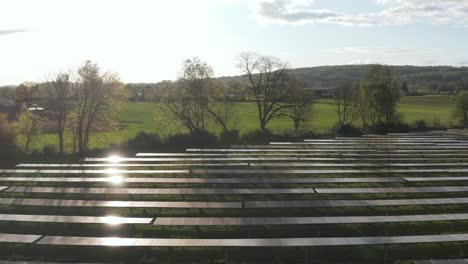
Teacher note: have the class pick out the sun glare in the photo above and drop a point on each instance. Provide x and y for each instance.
(114, 159)
(116, 179)
(111, 220)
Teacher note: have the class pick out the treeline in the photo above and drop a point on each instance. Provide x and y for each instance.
(86, 101)
(80, 103)
(411, 80)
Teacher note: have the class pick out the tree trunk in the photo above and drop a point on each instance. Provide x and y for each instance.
(296, 126)
(262, 124)
(60, 135)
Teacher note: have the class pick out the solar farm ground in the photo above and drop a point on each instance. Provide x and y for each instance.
(397, 198)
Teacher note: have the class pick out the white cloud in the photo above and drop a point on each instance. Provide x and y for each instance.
(11, 31)
(393, 12)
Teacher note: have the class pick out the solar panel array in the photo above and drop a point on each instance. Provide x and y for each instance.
(348, 183)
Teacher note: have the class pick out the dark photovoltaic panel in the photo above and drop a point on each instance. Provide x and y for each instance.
(203, 180)
(323, 171)
(297, 164)
(85, 165)
(354, 203)
(113, 171)
(220, 191)
(361, 147)
(111, 220)
(35, 262)
(286, 155)
(258, 242)
(442, 261)
(235, 221)
(16, 238)
(436, 189)
(119, 204)
(310, 150)
(155, 191)
(430, 179)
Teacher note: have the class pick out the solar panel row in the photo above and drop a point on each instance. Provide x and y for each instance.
(227, 171)
(259, 242)
(224, 205)
(442, 261)
(323, 171)
(221, 191)
(116, 204)
(235, 221)
(113, 220)
(211, 180)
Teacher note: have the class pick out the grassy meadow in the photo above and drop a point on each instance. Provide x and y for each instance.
(148, 117)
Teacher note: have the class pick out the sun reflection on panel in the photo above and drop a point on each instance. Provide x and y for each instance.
(111, 220)
(116, 179)
(114, 159)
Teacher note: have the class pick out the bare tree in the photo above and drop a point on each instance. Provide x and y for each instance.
(267, 78)
(220, 107)
(196, 98)
(98, 99)
(346, 104)
(58, 92)
(300, 100)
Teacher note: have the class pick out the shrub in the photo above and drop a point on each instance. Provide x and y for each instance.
(49, 150)
(229, 137)
(144, 140)
(346, 130)
(421, 125)
(178, 140)
(437, 124)
(204, 138)
(260, 137)
(394, 127)
(8, 149)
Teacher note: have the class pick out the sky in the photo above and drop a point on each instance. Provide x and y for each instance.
(147, 40)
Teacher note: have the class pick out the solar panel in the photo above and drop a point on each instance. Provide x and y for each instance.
(441, 261)
(156, 191)
(323, 171)
(108, 171)
(117, 204)
(204, 180)
(136, 165)
(17, 238)
(35, 262)
(438, 150)
(112, 220)
(297, 164)
(353, 203)
(286, 155)
(437, 189)
(360, 147)
(183, 221)
(252, 242)
(430, 179)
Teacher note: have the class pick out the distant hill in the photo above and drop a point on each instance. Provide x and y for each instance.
(419, 79)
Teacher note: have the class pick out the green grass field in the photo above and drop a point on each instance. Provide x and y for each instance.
(145, 116)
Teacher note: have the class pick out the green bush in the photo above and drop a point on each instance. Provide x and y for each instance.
(421, 125)
(49, 150)
(394, 127)
(260, 137)
(145, 140)
(346, 131)
(229, 137)
(204, 138)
